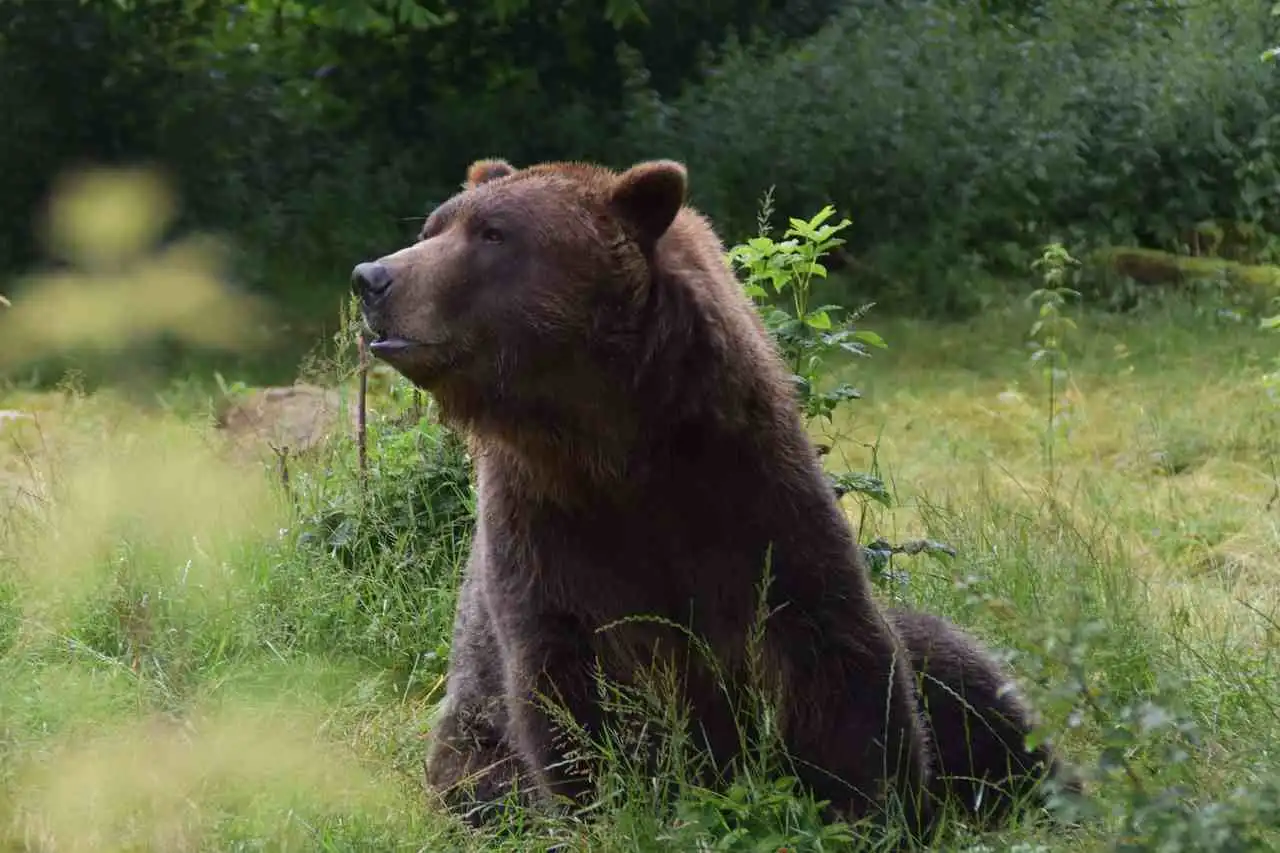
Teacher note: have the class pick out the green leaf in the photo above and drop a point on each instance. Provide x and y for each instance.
(865, 484)
(818, 320)
(871, 338)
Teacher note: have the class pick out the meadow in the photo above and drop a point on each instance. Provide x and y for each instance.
(203, 648)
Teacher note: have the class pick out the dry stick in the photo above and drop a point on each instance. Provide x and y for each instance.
(417, 405)
(282, 460)
(361, 396)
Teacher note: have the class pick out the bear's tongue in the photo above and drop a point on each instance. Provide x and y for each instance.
(390, 345)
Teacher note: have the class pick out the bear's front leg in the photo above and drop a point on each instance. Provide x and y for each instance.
(547, 661)
(471, 763)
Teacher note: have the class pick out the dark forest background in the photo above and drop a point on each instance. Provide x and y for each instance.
(959, 135)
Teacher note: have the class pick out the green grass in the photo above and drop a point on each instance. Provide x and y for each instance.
(195, 662)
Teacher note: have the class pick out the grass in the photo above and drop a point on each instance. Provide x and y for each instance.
(192, 660)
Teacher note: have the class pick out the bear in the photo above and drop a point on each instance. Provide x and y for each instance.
(638, 453)
(977, 720)
(978, 723)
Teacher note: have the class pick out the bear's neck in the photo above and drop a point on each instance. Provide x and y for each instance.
(698, 386)
(615, 453)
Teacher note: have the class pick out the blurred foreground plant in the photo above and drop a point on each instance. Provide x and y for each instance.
(120, 286)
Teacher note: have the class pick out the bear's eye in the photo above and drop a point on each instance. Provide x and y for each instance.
(491, 235)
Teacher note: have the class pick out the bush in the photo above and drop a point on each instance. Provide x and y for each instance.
(322, 126)
(372, 565)
(945, 131)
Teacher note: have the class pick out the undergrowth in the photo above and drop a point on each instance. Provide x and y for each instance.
(199, 651)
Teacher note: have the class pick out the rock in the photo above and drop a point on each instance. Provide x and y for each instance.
(17, 485)
(299, 417)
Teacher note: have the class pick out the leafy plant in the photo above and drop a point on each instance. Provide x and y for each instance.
(1049, 332)
(807, 336)
(787, 268)
(756, 817)
(780, 273)
(784, 270)
(1140, 737)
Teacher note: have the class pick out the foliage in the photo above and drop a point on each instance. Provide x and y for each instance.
(788, 268)
(1138, 738)
(1150, 674)
(804, 336)
(382, 552)
(1049, 333)
(760, 816)
(959, 139)
(311, 124)
(961, 136)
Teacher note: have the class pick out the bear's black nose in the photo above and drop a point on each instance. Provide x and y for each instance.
(370, 280)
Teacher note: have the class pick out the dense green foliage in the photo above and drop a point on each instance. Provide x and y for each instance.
(321, 125)
(954, 134)
(946, 131)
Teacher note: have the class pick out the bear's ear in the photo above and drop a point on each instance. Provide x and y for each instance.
(483, 171)
(648, 196)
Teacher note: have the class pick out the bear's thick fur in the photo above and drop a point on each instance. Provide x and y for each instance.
(978, 724)
(977, 720)
(638, 454)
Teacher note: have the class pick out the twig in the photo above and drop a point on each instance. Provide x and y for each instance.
(912, 547)
(282, 459)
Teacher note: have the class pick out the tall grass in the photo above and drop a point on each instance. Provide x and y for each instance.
(196, 656)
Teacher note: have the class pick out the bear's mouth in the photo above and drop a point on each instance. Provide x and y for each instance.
(422, 363)
(390, 345)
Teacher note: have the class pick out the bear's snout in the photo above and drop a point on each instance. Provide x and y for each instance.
(371, 281)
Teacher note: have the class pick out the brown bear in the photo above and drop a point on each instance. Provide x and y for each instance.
(638, 454)
(978, 723)
(977, 720)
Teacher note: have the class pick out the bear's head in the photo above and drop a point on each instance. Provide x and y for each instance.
(524, 281)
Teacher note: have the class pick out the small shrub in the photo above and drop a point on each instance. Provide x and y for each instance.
(809, 336)
(380, 552)
(1049, 333)
(787, 268)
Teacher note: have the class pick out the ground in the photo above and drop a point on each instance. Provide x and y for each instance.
(256, 680)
